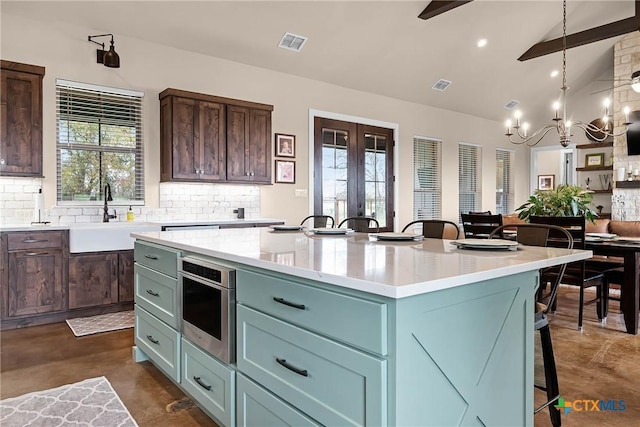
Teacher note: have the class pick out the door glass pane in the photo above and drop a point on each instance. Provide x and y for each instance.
(334, 173)
(375, 177)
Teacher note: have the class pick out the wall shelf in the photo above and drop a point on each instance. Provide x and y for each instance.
(595, 168)
(595, 145)
(627, 184)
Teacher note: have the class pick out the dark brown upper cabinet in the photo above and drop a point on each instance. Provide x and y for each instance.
(206, 138)
(21, 134)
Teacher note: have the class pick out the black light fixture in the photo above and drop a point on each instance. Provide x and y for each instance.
(110, 58)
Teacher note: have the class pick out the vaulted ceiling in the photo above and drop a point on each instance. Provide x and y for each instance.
(374, 46)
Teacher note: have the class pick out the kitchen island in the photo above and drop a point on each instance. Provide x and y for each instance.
(346, 330)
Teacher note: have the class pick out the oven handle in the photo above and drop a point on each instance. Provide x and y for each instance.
(203, 281)
(201, 384)
(298, 371)
(289, 303)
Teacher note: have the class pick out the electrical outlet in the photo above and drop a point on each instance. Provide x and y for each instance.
(301, 192)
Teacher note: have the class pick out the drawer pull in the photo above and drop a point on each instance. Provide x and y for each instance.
(289, 303)
(298, 371)
(201, 384)
(34, 241)
(151, 257)
(35, 253)
(150, 338)
(150, 292)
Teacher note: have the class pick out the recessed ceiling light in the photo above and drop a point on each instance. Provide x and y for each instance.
(482, 42)
(555, 73)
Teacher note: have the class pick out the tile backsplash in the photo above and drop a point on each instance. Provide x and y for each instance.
(196, 202)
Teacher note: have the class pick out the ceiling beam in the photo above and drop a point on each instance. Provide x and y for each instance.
(437, 7)
(591, 35)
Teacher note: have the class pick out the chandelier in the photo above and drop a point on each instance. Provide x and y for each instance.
(598, 130)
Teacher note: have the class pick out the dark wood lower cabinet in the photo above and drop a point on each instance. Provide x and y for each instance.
(93, 279)
(125, 276)
(36, 284)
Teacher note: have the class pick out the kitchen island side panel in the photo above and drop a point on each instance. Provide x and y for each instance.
(464, 356)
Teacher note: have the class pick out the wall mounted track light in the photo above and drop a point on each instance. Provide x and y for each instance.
(109, 58)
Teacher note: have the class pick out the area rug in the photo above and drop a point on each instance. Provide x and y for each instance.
(82, 326)
(91, 402)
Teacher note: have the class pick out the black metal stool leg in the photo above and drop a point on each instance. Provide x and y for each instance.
(550, 374)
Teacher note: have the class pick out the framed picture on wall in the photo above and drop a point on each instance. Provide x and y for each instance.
(594, 160)
(285, 145)
(286, 171)
(546, 182)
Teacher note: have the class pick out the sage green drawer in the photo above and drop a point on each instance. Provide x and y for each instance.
(158, 294)
(330, 382)
(209, 382)
(259, 408)
(159, 258)
(355, 321)
(159, 342)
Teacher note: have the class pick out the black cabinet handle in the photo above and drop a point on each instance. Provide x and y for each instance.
(150, 338)
(203, 385)
(151, 257)
(289, 303)
(298, 371)
(150, 292)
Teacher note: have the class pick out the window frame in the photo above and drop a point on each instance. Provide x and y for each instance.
(475, 182)
(133, 100)
(433, 188)
(508, 196)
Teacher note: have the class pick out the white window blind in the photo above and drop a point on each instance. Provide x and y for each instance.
(427, 188)
(469, 178)
(504, 182)
(99, 142)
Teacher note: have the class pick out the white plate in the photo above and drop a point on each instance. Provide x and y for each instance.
(397, 236)
(329, 230)
(485, 244)
(282, 227)
(601, 235)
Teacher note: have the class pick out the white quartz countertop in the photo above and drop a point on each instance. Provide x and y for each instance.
(392, 269)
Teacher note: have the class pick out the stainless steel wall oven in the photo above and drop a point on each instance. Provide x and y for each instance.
(208, 306)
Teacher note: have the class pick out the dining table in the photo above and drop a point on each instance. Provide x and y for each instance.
(629, 250)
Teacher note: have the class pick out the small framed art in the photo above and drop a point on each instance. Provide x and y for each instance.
(594, 160)
(286, 171)
(285, 145)
(546, 182)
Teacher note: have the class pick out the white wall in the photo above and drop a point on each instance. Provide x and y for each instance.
(148, 67)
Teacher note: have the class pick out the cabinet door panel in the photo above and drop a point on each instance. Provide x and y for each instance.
(210, 132)
(21, 140)
(93, 280)
(185, 160)
(237, 142)
(35, 282)
(125, 276)
(260, 146)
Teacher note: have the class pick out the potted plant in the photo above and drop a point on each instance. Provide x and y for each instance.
(564, 200)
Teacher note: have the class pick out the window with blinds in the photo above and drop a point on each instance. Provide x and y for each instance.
(469, 178)
(99, 142)
(427, 191)
(504, 180)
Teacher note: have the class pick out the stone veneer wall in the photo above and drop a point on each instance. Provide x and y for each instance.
(626, 57)
(196, 202)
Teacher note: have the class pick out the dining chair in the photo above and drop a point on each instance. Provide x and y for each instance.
(320, 221)
(480, 213)
(544, 235)
(479, 226)
(436, 228)
(361, 224)
(577, 273)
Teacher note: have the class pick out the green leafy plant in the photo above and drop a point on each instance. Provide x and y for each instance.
(564, 200)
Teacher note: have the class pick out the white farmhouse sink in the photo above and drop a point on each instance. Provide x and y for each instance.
(105, 236)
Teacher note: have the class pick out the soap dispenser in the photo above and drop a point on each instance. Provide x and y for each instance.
(130, 214)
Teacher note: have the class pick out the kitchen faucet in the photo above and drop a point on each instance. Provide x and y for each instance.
(108, 198)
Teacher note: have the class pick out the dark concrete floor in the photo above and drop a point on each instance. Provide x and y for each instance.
(602, 362)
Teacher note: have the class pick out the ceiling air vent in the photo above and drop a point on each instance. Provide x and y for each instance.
(292, 42)
(441, 85)
(511, 104)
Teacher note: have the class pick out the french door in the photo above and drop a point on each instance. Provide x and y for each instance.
(353, 171)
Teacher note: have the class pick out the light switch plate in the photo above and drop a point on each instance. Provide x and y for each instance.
(301, 192)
